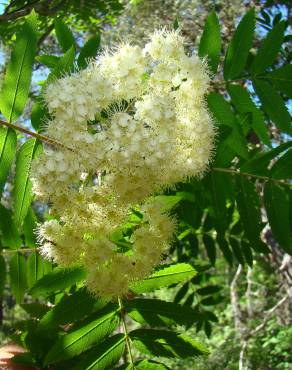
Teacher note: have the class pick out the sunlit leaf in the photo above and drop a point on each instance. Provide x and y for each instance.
(9, 234)
(8, 142)
(2, 274)
(239, 47)
(49, 61)
(64, 65)
(18, 276)
(22, 190)
(64, 35)
(29, 226)
(210, 44)
(165, 276)
(81, 339)
(103, 356)
(35, 269)
(88, 51)
(57, 280)
(65, 311)
(15, 89)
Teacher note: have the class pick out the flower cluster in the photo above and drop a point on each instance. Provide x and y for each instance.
(132, 124)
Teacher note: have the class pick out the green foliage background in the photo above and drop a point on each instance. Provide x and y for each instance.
(234, 226)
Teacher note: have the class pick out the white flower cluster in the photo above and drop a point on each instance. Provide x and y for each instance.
(132, 124)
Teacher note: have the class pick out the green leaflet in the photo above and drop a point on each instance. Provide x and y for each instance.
(224, 154)
(29, 226)
(10, 237)
(221, 109)
(210, 289)
(269, 49)
(8, 141)
(39, 114)
(211, 301)
(282, 168)
(65, 312)
(103, 356)
(63, 66)
(18, 276)
(22, 190)
(24, 359)
(247, 252)
(210, 43)
(239, 47)
(223, 245)
(244, 104)
(235, 246)
(259, 164)
(248, 205)
(165, 276)
(175, 24)
(210, 248)
(181, 293)
(281, 79)
(49, 61)
(169, 201)
(150, 365)
(166, 343)
(57, 280)
(223, 113)
(2, 274)
(81, 339)
(144, 365)
(207, 328)
(88, 51)
(36, 310)
(273, 105)
(64, 35)
(155, 312)
(277, 206)
(219, 184)
(35, 269)
(14, 94)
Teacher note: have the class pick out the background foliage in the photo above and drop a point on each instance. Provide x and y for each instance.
(226, 281)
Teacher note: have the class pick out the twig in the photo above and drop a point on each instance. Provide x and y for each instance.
(234, 300)
(238, 172)
(244, 344)
(269, 313)
(33, 134)
(41, 7)
(20, 12)
(248, 292)
(19, 250)
(122, 309)
(217, 169)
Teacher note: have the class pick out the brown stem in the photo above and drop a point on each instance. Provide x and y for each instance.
(40, 137)
(217, 169)
(125, 329)
(41, 7)
(237, 172)
(20, 250)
